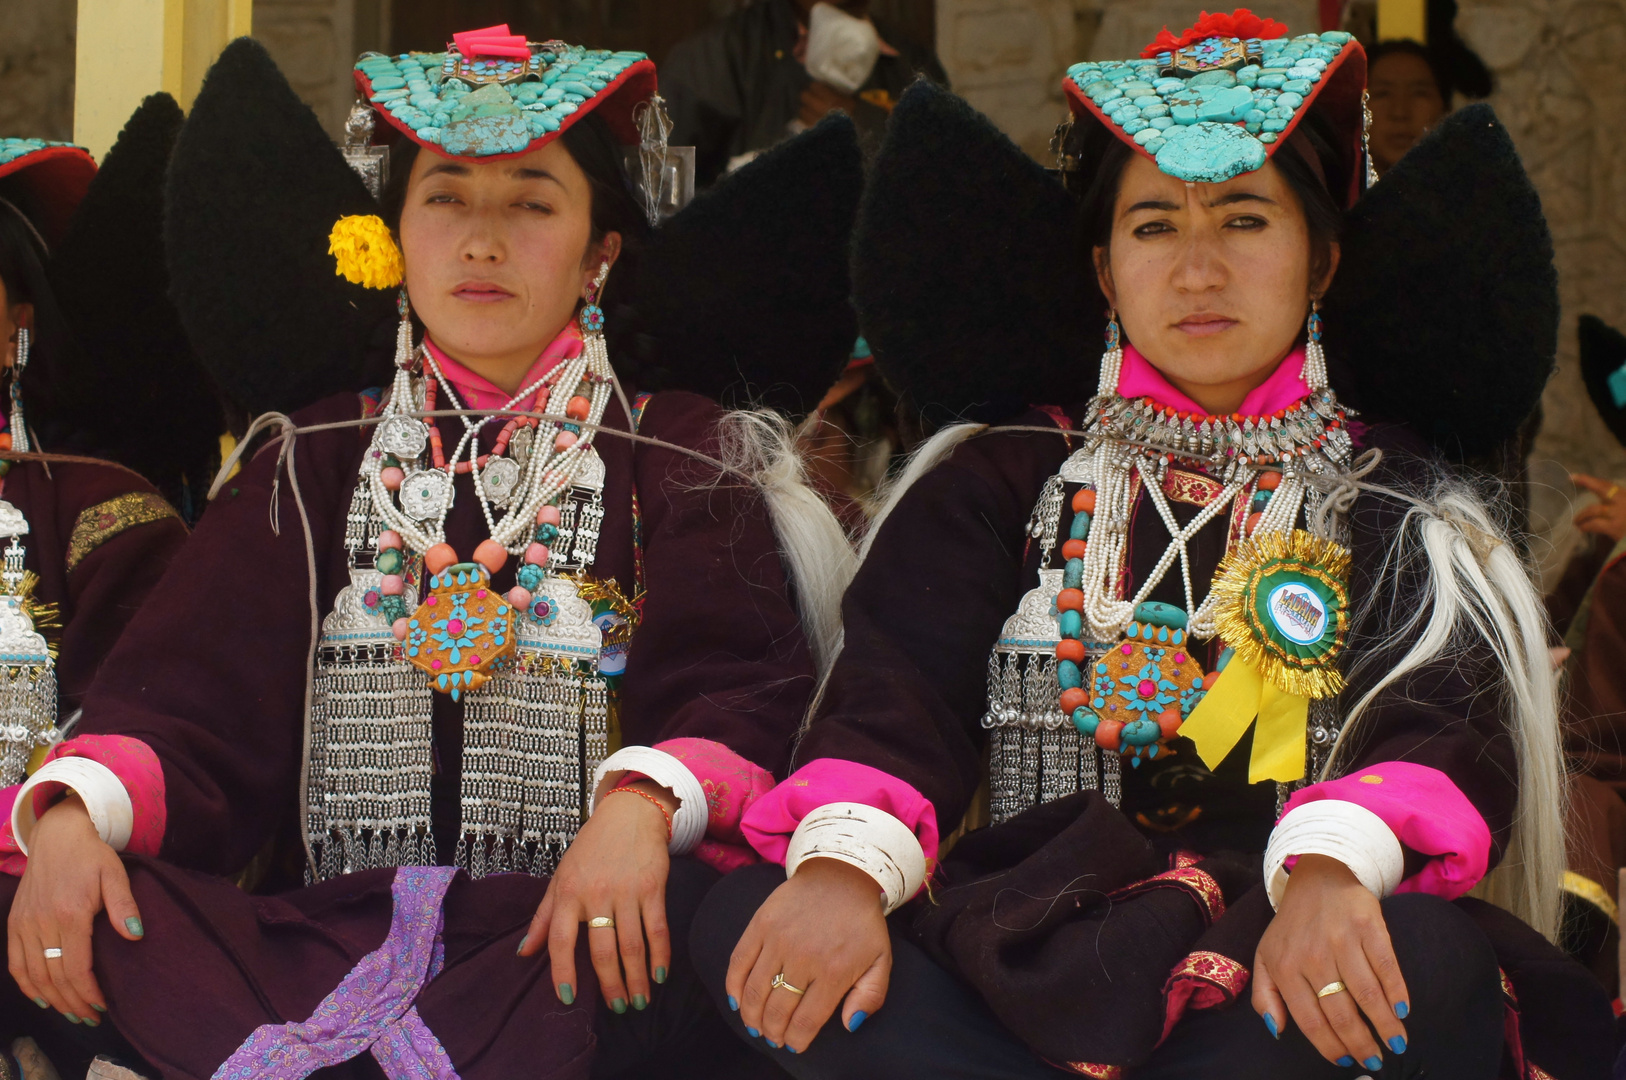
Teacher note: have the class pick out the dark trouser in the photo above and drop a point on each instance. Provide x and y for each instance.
(933, 1025)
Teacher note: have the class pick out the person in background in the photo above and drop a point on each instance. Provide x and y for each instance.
(744, 83)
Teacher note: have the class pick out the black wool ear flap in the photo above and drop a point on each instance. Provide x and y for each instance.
(254, 190)
(972, 288)
(743, 295)
(1603, 351)
(1445, 307)
(132, 390)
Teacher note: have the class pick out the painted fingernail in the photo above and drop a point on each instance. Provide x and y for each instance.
(732, 1004)
(618, 1006)
(1345, 1062)
(753, 1032)
(1374, 1063)
(792, 1049)
(72, 1019)
(1270, 1024)
(858, 1018)
(520, 951)
(133, 925)
(42, 1003)
(771, 1043)
(1398, 1044)
(98, 1008)
(567, 994)
(640, 1002)
(1402, 1010)
(91, 1021)
(660, 975)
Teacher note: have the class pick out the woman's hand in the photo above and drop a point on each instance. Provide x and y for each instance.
(615, 868)
(1607, 516)
(824, 932)
(1329, 929)
(71, 876)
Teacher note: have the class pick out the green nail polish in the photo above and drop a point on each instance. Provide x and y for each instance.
(618, 1006)
(566, 994)
(72, 1019)
(42, 1003)
(660, 975)
(91, 1021)
(522, 942)
(133, 925)
(640, 1002)
(98, 1008)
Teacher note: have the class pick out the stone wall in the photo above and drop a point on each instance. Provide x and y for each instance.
(312, 42)
(36, 68)
(1556, 64)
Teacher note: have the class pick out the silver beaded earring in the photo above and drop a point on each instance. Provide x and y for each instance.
(1315, 359)
(1112, 361)
(19, 425)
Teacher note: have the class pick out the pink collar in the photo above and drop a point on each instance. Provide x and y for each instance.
(478, 392)
(1285, 387)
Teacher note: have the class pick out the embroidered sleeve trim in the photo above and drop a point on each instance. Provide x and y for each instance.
(98, 524)
(1202, 888)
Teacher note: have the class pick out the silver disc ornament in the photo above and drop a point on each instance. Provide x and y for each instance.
(499, 479)
(403, 436)
(425, 493)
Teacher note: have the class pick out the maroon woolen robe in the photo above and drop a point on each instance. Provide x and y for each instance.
(212, 677)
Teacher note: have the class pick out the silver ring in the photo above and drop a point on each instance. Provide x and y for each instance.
(53, 954)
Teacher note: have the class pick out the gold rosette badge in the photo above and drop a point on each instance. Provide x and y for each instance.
(1281, 603)
(364, 252)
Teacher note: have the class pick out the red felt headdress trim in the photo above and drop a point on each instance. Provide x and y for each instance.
(1241, 23)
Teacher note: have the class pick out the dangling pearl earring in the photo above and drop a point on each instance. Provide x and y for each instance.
(592, 316)
(19, 424)
(1112, 361)
(1315, 358)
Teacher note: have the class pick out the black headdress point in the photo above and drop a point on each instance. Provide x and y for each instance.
(1603, 352)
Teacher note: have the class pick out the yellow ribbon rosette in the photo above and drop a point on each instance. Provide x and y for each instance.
(365, 253)
(1281, 602)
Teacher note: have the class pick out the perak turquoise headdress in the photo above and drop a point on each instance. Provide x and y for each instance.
(56, 174)
(1219, 99)
(493, 94)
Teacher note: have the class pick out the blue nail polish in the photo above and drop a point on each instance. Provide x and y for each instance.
(1402, 1010)
(732, 1004)
(1345, 1062)
(1398, 1044)
(858, 1018)
(792, 1049)
(1270, 1023)
(1374, 1063)
(753, 1032)
(771, 1043)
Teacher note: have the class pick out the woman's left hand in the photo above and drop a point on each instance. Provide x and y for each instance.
(1329, 929)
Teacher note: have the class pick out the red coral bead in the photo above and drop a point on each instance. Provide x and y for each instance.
(1073, 549)
(490, 555)
(1070, 600)
(1269, 481)
(438, 558)
(1072, 698)
(1107, 734)
(1168, 722)
(1084, 501)
(1253, 523)
(1068, 649)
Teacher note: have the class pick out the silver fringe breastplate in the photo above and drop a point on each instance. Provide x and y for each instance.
(28, 690)
(532, 735)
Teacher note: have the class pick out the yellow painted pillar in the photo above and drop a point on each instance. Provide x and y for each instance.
(127, 49)
(1400, 19)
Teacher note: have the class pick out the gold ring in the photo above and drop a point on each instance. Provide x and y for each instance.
(779, 983)
(1609, 496)
(1330, 989)
(603, 922)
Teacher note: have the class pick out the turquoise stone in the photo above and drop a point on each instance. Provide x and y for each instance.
(1261, 499)
(1169, 86)
(1154, 145)
(1183, 114)
(1148, 101)
(1289, 100)
(1071, 623)
(574, 87)
(1135, 89)
(485, 135)
(1162, 123)
(1124, 115)
(389, 82)
(1138, 127)
(1248, 71)
(1252, 126)
(1267, 137)
(1297, 86)
(562, 110)
(1080, 529)
(1141, 733)
(1274, 124)
(1336, 37)
(387, 96)
(1163, 634)
(1068, 675)
(1253, 116)
(1073, 576)
(1218, 77)
(1157, 613)
(1146, 133)
(1111, 95)
(1230, 104)
(1273, 80)
(1152, 112)
(1085, 721)
(1212, 154)
(1096, 90)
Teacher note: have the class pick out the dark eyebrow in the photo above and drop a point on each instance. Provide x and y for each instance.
(450, 168)
(534, 174)
(1241, 196)
(1153, 204)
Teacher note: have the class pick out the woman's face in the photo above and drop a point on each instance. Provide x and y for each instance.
(1212, 282)
(497, 254)
(1405, 104)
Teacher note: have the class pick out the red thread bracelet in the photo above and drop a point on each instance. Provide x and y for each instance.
(656, 803)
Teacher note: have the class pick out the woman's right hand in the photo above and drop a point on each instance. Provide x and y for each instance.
(72, 875)
(824, 931)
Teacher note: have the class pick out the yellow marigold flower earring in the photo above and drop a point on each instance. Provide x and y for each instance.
(365, 253)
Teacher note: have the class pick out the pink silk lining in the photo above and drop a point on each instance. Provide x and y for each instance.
(137, 768)
(732, 785)
(478, 392)
(1138, 378)
(769, 823)
(1427, 813)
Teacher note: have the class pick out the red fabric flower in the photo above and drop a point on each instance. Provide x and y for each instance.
(1241, 23)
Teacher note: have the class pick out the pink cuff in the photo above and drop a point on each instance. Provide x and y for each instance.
(1427, 812)
(137, 768)
(732, 784)
(769, 823)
